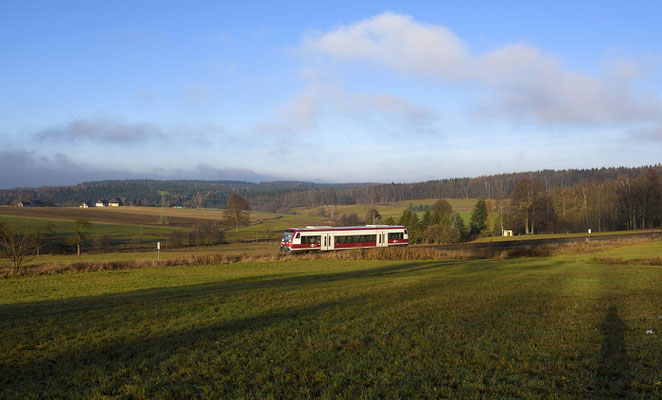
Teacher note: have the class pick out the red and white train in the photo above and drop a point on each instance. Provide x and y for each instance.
(325, 238)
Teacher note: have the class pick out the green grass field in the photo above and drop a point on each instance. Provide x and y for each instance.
(554, 327)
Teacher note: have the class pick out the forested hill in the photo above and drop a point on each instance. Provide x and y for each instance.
(282, 195)
(185, 193)
(489, 186)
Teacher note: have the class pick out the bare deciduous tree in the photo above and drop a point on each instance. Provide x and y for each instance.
(236, 211)
(18, 245)
(372, 216)
(81, 230)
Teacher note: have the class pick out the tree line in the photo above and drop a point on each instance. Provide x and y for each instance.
(623, 203)
(279, 196)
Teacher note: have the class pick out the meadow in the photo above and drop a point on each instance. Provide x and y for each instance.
(568, 326)
(140, 224)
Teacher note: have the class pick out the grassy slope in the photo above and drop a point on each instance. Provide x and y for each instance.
(463, 206)
(551, 327)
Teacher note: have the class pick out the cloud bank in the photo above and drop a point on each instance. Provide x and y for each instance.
(522, 82)
(27, 169)
(101, 130)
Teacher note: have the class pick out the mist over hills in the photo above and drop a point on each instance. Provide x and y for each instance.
(23, 169)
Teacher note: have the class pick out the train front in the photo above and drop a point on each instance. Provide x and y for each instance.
(286, 241)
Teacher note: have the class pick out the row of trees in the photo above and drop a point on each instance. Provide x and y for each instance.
(20, 245)
(623, 203)
(440, 224)
(202, 234)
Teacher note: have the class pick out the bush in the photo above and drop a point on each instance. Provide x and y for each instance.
(202, 234)
(442, 234)
(350, 220)
(101, 243)
(176, 239)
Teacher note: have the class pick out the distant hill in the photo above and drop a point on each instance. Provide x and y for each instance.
(281, 195)
(489, 186)
(185, 193)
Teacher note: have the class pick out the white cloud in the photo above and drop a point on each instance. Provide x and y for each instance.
(397, 41)
(528, 84)
(522, 82)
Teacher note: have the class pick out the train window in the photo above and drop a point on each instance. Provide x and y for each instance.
(356, 238)
(298, 235)
(395, 236)
(310, 239)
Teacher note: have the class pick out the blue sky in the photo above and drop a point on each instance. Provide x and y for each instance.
(348, 92)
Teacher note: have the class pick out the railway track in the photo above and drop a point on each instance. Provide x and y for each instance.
(509, 244)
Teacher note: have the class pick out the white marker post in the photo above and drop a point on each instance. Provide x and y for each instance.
(589, 235)
(158, 251)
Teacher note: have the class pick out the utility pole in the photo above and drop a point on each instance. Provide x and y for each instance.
(163, 220)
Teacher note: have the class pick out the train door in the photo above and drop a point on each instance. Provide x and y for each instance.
(382, 239)
(327, 241)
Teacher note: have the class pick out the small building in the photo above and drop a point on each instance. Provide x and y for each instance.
(114, 203)
(84, 205)
(101, 203)
(23, 204)
(507, 232)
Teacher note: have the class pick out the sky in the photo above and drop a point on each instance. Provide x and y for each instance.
(353, 91)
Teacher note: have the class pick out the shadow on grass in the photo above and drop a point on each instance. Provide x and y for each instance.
(112, 364)
(226, 288)
(613, 375)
